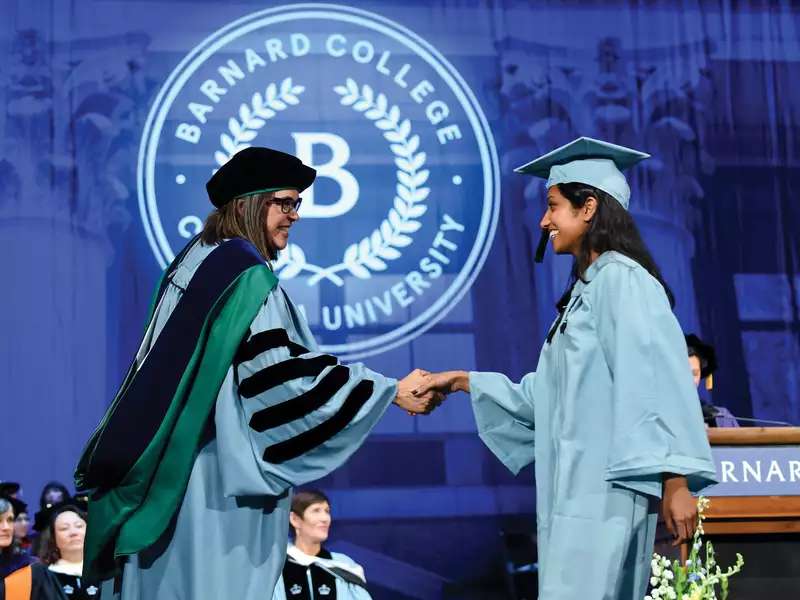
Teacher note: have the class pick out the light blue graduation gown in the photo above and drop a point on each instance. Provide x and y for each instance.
(229, 536)
(610, 408)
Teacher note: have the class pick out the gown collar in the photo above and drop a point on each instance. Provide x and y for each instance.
(601, 261)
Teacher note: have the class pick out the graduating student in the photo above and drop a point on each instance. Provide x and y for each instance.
(311, 571)
(228, 404)
(610, 416)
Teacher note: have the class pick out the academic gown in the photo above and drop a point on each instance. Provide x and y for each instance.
(11, 561)
(75, 587)
(37, 578)
(327, 576)
(286, 414)
(609, 409)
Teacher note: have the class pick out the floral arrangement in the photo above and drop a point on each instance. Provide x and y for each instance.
(699, 578)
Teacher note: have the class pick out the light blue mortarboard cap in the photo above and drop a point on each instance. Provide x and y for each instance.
(588, 161)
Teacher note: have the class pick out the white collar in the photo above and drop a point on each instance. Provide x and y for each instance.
(68, 568)
(304, 559)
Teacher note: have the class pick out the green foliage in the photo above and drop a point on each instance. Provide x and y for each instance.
(699, 578)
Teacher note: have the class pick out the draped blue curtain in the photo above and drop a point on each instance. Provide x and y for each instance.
(708, 88)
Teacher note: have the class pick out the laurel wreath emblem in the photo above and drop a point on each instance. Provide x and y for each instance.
(384, 244)
(254, 115)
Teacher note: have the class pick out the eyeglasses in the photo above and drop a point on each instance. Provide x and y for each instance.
(287, 204)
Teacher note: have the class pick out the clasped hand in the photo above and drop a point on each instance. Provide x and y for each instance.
(420, 392)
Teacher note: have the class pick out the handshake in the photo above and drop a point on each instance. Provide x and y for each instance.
(420, 392)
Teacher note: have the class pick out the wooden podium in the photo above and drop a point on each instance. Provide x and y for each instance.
(755, 509)
(756, 514)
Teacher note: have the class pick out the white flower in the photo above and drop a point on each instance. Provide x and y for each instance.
(668, 575)
(671, 594)
(654, 581)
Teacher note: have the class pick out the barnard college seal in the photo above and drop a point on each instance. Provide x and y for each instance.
(404, 208)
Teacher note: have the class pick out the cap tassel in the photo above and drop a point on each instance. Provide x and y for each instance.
(542, 247)
(710, 382)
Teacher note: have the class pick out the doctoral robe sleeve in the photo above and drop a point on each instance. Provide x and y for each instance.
(344, 589)
(294, 414)
(656, 416)
(504, 416)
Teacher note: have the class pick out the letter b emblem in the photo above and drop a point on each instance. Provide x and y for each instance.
(334, 169)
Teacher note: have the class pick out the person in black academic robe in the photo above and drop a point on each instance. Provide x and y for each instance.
(35, 577)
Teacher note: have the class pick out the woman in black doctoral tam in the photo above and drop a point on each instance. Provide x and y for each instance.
(234, 404)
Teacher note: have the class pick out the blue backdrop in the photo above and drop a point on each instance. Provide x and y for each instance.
(415, 248)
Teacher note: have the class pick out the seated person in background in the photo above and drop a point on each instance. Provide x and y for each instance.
(11, 558)
(22, 522)
(62, 551)
(703, 363)
(34, 582)
(311, 572)
(54, 492)
(22, 531)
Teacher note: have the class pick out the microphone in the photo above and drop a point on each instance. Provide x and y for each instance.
(710, 412)
(784, 423)
(542, 247)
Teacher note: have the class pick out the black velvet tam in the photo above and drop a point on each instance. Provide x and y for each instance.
(45, 517)
(255, 169)
(705, 352)
(8, 488)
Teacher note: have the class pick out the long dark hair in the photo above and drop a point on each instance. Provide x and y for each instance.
(611, 228)
(49, 552)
